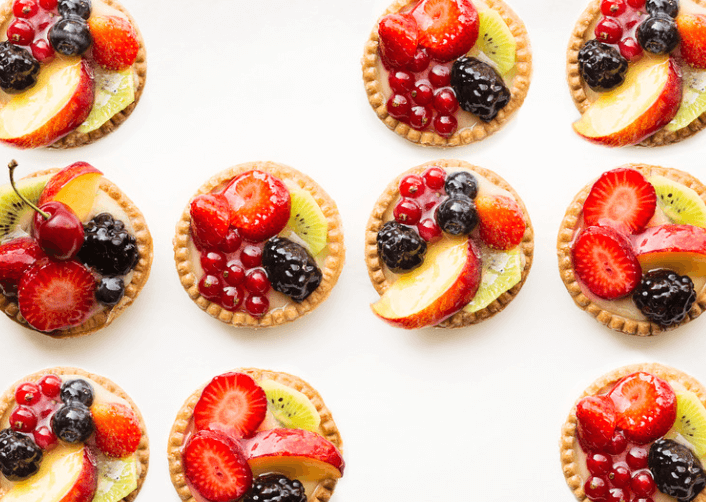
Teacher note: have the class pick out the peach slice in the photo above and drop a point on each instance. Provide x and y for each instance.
(681, 248)
(76, 186)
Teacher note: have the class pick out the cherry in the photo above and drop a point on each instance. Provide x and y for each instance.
(257, 282)
(25, 8)
(598, 464)
(445, 101)
(42, 50)
(48, 4)
(407, 212)
(423, 93)
(630, 49)
(419, 117)
(23, 419)
(608, 30)
(619, 475)
(50, 385)
(429, 230)
(617, 495)
(401, 82)
(420, 61)
(231, 298)
(210, 287)
(411, 186)
(251, 256)
(613, 8)
(440, 76)
(398, 106)
(27, 393)
(232, 242)
(213, 262)
(434, 177)
(637, 458)
(257, 305)
(642, 483)
(234, 273)
(20, 32)
(595, 488)
(445, 125)
(617, 444)
(44, 438)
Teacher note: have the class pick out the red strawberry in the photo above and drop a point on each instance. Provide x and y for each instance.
(210, 219)
(216, 466)
(56, 294)
(260, 205)
(605, 262)
(692, 31)
(622, 199)
(118, 431)
(596, 421)
(502, 223)
(115, 42)
(646, 406)
(233, 403)
(447, 28)
(16, 256)
(398, 39)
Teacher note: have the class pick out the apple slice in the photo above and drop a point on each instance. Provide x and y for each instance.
(647, 100)
(76, 186)
(446, 281)
(59, 102)
(681, 248)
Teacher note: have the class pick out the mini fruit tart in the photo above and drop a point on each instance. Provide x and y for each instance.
(260, 244)
(253, 435)
(71, 71)
(74, 251)
(637, 71)
(447, 72)
(637, 433)
(69, 435)
(448, 244)
(632, 249)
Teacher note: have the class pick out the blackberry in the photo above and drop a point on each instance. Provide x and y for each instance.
(80, 8)
(669, 7)
(73, 423)
(676, 470)
(275, 488)
(601, 66)
(110, 291)
(19, 455)
(108, 247)
(290, 268)
(400, 247)
(664, 296)
(70, 36)
(457, 215)
(77, 390)
(479, 88)
(461, 183)
(658, 34)
(18, 68)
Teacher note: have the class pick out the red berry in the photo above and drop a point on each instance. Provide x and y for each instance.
(118, 431)
(234, 273)
(257, 282)
(213, 262)
(447, 28)
(25, 8)
(619, 475)
(210, 287)
(642, 483)
(399, 107)
(598, 464)
(618, 495)
(232, 242)
(231, 298)
(23, 419)
(636, 4)
(595, 488)
(630, 49)
(445, 101)
(440, 76)
(596, 420)
(44, 438)
(42, 50)
(20, 32)
(401, 82)
(16, 257)
(423, 93)
(398, 39)
(429, 230)
(251, 256)
(257, 305)
(407, 212)
(637, 458)
(58, 230)
(210, 218)
(434, 177)
(411, 186)
(50, 385)
(48, 4)
(115, 42)
(445, 125)
(420, 61)
(420, 117)
(502, 222)
(641, 499)
(617, 444)
(608, 30)
(613, 8)
(27, 393)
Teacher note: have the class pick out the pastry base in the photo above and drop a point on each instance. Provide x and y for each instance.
(566, 266)
(391, 193)
(177, 436)
(520, 84)
(331, 269)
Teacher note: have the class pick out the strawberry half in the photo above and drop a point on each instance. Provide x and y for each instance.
(16, 257)
(216, 466)
(232, 403)
(447, 28)
(118, 431)
(210, 219)
(692, 32)
(605, 262)
(502, 223)
(596, 419)
(622, 199)
(646, 406)
(398, 39)
(115, 42)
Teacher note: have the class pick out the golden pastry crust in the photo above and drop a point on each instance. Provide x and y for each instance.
(140, 273)
(390, 196)
(518, 89)
(569, 442)
(332, 266)
(7, 403)
(573, 218)
(180, 433)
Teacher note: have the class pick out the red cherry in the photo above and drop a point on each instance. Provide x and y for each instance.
(231, 298)
(234, 273)
(50, 385)
(423, 93)
(48, 4)
(257, 305)
(213, 262)
(642, 483)
(429, 230)
(58, 230)
(27, 393)
(630, 49)
(401, 82)
(25, 8)
(440, 76)
(407, 212)
(257, 282)
(251, 256)
(617, 495)
(232, 242)
(617, 444)
(210, 287)
(44, 438)
(411, 186)
(619, 475)
(420, 61)
(608, 30)
(598, 464)
(434, 177)
(637, 458)
(613, 8)
(445, 125)
(398, 106)
(595, 488)
(42, 50)
(420, 117)
(20, 32)
(445, 101)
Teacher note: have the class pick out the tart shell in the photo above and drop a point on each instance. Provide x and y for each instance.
(389, 196)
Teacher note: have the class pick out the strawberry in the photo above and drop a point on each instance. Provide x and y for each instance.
(502, 222)
(692, 31)
(398, 39)
(216, 466)
(56, 294)
(210, 219)
(115, 42)
(596, 419)
(118, 431)
(233, 403)
(260, 203)
(646, 406)
(16, 256)
(622, 199)
(448, 29)
(605, 262)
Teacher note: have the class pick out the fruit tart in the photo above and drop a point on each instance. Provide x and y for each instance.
(637, 69)
(74, 250)
(71, 71)
(632, 249)
(260, 244)
(447, 72)
(69, 435)
(448, 244)
(253, 435)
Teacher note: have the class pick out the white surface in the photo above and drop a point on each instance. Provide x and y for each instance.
(424, 415)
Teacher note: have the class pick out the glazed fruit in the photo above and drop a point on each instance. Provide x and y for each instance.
(461, 183)
(108, 247)
(110, 291)
(115, 42)
(18, 68)
(601, 66)
(290, 268)
(73, 423)
(658, 34)
(276, 488)
(596, 418)
(77, 390)
(400, 247)
(677, 471)
(448, 28)
(457, 215)
(118, 431)
(664, 296)
(16, 257)
(19, 455)
(398, 39)
(210, 219)
(502, 222)
(79, 8)
(479, 88)
(70, 36)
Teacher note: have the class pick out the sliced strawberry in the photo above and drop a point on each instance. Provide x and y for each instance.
(622, 199)
(118, 431)
(605, 262)
(16, 256)
(210, 219)
(596, 421)
(448, 29)
(646, 406)
(56, 294)
(233, 403)
(502, 223)
(692, 32)
(398, 39)
(216, 467)
(115, 42)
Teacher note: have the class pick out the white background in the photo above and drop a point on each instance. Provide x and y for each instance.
(470, 414)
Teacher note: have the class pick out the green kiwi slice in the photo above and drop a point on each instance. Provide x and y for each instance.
(501, 271)
(681, 204)
(117, 478)
(693, 100)
(496, 41)
(14, 212)
(307, 220)
(290, 407)
(114, 91)
(691, 420)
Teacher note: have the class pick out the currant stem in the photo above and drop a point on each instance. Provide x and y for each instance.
(11, 166)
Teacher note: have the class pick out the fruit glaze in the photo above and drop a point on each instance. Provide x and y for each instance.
(66, 434)
(632, 249)
(448, 244)
(637, 71)
(71, 71)
(253, 435)
(447, 72)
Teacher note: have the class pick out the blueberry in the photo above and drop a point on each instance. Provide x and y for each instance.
(70, 36)
(669, 7)
(658, 34)
(457, 215)
(79, 8)
(73, 423)
(77, 390)
(110, 291)
(461, 183)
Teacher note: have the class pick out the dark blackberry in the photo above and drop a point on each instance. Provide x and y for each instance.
(676, 470)
(664, 296)
(275, 488)
(77, 390)
(457, 215)
(461, 183)
(658, 34)
(108, 247)
(18, 68)
(601, 66)
(80, 8)
(669, 7)
(290, 268)
(70, 36)
(73, 423)
(400, 247)
(19, 455)
(479, 88)
(110, 291)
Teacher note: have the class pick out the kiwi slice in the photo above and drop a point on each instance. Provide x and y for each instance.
(501, 271)
(693, 99)
(117, 478)
(691, 420)
(307, 220)
(496, 41)
(681, 204)
(14, 212)
(114, 91)
(290, 407)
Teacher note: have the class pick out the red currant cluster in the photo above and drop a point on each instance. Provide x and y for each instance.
(33, 19)
(619, 24)
(420, 197)
(36, 403)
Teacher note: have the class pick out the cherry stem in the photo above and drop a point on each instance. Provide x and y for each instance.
(11, 166)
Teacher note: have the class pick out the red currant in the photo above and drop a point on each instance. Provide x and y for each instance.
(48, 4)
(598, 464)
(50, 385)
(445, 101)
(445, 125)
(420, 61)
(20, 32)
(608, 30)
(251, 256)
(234, 273)
(617, 444)
(636, 4)
(619, 475)
(642, 483)
(434, 177)
(613, 8)
(44, 438)
(25, 8)
(27, 393)
(398, 106)
(210, 287)
(232, 242)
(595, 488)
(411, 186)
(42, 50)
(257, 305)
(257, 282)
(420, 117)
(401, 82)
(429, 230)
(423, 93)
(630, 49)
(440, 76)
(617, 495)
(407, 212)
(213, 262)
(23, 419)
(637, 458)
(231, 298)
